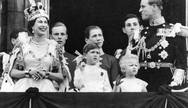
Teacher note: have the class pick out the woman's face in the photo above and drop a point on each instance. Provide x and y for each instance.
(131, 25)
(40, 26)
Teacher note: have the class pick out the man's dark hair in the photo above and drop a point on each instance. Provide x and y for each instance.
(129, 16)
(88, 29)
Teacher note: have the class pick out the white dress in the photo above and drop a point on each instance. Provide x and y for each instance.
(132, 85)
(92, 79)
(37, 56)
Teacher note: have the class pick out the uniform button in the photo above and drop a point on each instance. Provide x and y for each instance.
(147, 27)
(160, 47)
(163, 25)
(145, 32)
(159, 60)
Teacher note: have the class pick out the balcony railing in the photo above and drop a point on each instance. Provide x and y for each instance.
(93, 100)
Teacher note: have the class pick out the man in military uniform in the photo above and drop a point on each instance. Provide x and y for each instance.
(160, 49)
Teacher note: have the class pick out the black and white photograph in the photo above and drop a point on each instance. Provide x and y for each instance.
(93, 53)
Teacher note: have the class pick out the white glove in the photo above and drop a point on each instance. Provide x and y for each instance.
(180, 30)
(118, 53)
(177, 27)
(178, 77)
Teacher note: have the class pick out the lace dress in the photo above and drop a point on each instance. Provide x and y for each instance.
(36, 56)
(132, 85)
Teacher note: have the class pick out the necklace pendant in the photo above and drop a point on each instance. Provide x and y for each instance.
(149, 55)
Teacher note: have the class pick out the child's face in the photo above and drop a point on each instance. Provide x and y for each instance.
(14, 41)
(92, 56)
(130, 67)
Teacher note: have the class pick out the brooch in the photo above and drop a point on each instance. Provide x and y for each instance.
(163, 54)
(164, 43)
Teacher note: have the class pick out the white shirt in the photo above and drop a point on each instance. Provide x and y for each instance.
(92, 79)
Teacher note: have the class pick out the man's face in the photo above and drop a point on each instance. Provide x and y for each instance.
(96, 36)
(146, 10)
(131, 25)
(59, 34)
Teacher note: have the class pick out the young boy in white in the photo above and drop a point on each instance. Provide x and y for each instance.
(90, 77)
(129, 65)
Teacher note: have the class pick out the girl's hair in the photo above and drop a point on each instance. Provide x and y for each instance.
(127, 57)
(89, 47)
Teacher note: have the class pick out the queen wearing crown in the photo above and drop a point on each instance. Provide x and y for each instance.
(37, 62)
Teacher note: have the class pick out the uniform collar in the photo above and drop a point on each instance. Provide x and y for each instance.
(157, 21)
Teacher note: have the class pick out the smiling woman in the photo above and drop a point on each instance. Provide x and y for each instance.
(37, 63)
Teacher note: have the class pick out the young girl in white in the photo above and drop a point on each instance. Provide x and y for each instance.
(129, 65)
(90, 77)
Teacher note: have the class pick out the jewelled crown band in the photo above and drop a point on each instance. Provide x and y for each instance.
(35, 10)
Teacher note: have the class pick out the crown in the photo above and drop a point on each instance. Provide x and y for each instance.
(35, 11)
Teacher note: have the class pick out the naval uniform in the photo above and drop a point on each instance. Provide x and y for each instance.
(161, 54)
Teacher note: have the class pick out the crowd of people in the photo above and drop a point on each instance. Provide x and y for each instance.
(155, 56)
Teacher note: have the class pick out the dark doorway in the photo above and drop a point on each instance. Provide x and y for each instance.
(108, 14)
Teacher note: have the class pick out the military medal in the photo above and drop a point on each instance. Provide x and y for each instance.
(164, 43)
(167, 32)
(163, 54)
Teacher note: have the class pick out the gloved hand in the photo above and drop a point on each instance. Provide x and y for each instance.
(178, 77)
(180, 29)
(177, 27)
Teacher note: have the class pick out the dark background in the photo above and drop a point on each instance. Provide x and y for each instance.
(108, 14)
